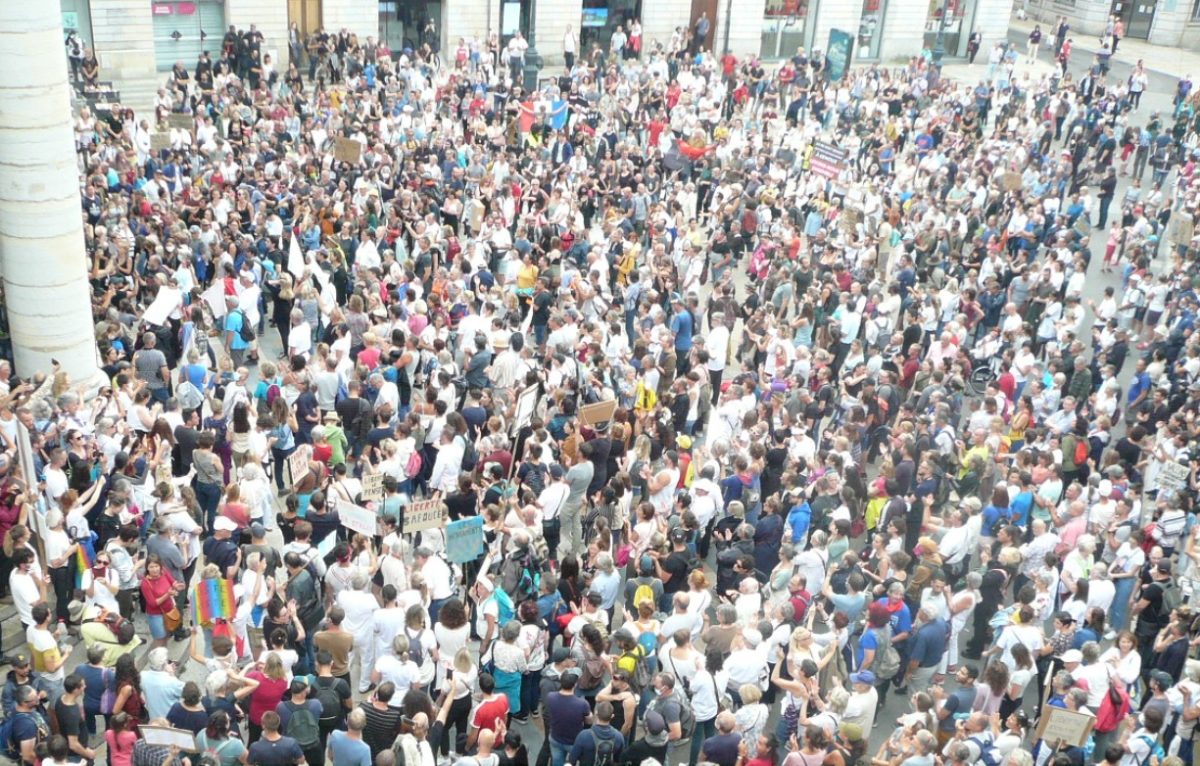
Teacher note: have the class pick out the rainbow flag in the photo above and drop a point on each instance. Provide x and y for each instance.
(213, 600)
(85, 556)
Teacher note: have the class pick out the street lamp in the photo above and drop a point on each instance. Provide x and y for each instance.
(939, 42)
(533, 61)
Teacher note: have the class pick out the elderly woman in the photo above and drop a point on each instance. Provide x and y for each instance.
(511, 661)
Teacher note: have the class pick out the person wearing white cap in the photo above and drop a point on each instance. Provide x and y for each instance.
(747, 661)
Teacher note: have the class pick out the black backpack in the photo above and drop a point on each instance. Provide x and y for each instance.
(416, 651)
(470, 457)
(332, 710)
(246, 333)
(605, 750)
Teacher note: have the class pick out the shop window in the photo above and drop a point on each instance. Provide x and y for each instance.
(958, 24)
(870, 29)
(600, 18)
(785, 23)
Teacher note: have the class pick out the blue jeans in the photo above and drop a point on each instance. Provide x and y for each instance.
(558, 752)
(209, 496)
(307, 663)
(160, 395)
(435, 606)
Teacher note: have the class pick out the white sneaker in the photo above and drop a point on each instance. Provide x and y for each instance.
(1110, 635)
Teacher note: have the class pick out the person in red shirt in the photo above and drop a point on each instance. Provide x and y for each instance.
(491, 713)
(656, 127)
(728, 66)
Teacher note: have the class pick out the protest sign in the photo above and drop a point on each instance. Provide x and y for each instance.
(372, 487)
(464, 540)
(166, 736)
(160, 141)
(427, 514)
(346, 150)
(1064, 727)
(526, 404)
(297, 465)
(598, 412)
(359, 519)
(1173, 477)
(826, 159)
(214, 298)
(181, 121)
(167, 300)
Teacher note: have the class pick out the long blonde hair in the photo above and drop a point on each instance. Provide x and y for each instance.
(273, 667)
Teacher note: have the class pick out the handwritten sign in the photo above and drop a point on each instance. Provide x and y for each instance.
(427, 514)
(346, 150)
(1012, 181)
(372, 487)
(1066, 726)
(357, 519)
(598, 412)
(298, 465)
(1173, 477)
(160, 141)
(464, 540)
(166, 736)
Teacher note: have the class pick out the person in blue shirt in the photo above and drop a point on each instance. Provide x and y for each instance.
(926, 648)
(583, 752)
(798, 519)
(1021, 505)
(681, 326)
(346, 748)
(233, 332)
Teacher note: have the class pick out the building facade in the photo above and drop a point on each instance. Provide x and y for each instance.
(137, 41)
(1174, 23)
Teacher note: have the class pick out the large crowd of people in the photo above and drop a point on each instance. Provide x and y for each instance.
(884, 438)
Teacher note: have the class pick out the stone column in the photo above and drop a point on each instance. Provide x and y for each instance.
(46, 289)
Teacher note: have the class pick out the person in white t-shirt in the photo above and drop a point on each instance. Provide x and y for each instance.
(397, 667)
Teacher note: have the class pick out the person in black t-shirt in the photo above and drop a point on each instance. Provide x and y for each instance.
(221, 550)
(274, 749)
(673, 568)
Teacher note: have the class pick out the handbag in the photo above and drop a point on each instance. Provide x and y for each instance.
(172, 620)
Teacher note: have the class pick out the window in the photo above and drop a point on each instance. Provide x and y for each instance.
(784, 26)
(1196, 10)
(870, 29)
(957, 28)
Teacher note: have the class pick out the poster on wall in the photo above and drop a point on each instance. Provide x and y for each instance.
(838, 53)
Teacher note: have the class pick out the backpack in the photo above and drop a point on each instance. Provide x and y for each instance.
(1156, 749)
(414, 465)
(246, 332)
(189, 396)
(605, 750)
(121, 628)
(887, 659)
(416, 651)
(644, 592)
(13, 749)
(303, 726)
(504, 602)
(687, 718)
(987, 753)
(1082, 449)
(331, 704)
(470, 457)
(642, 674)
(1172, 597)
(212, 756)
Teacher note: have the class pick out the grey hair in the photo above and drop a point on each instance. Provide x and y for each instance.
(745, 531)
(358, 581)
(726, 614)
(604, 562)
(819, 539)
(216, 682)
(510, 630)
(54, 518)
(252, 559)
(158, 658)
(67, 399)
(974, 580)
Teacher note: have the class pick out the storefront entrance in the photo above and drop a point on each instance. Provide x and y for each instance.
(787, 26)
(1137, 16)
(960, 15)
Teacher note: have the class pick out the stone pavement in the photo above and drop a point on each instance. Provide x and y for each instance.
(1168, 62)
